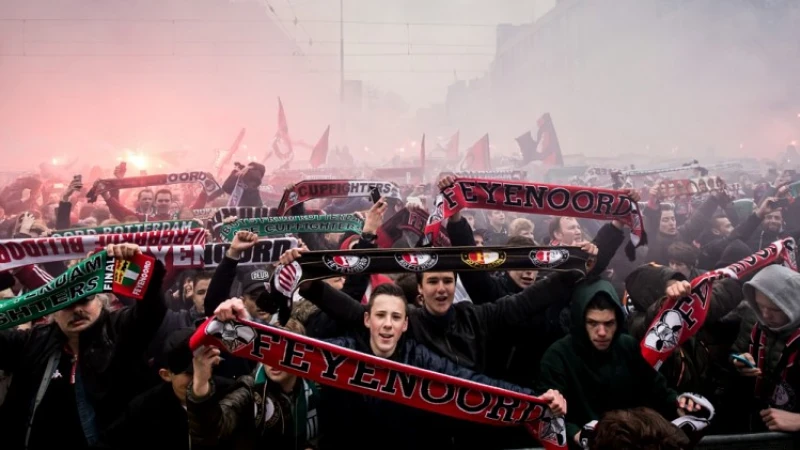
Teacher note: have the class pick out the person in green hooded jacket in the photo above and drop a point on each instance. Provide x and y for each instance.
(598, 368)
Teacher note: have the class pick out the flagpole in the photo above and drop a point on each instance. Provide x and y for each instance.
(341, 74)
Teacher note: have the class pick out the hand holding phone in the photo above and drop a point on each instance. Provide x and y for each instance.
(743, 360)
(780, 203)
(375, 194)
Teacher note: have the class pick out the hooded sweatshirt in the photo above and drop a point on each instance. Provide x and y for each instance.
(782, 286)
(594, 381)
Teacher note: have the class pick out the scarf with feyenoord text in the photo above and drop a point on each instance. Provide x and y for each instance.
(357, 372)
(205, 179)
(536, 198)
(681, 318)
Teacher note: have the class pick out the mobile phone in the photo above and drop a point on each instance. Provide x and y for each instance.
(780, 203)
(742, 360)
(77, 178)
(123, 165)
(375, 194)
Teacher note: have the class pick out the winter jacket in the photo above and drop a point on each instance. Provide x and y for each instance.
(356, 421)
(256, 414)
(593, 381)
(110, 363)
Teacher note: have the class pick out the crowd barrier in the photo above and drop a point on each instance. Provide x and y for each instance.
(756, 441)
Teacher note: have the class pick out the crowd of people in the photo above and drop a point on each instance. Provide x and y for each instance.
(107, 371)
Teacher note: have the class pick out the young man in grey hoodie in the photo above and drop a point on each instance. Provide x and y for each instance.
(769, 340)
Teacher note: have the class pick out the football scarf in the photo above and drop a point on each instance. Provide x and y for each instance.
(98, 273)
(773, 387)
(205, 179)
(411, 220)
(167, 225)
(209, 256)
(536, 198)
(495, 174)
(309, 190)
(277, 226)
(681, 318)
(385, 379)
(331, 263)
(694, 186)
(22, 252)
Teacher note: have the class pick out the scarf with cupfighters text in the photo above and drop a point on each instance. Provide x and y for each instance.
(536, 198)
(382, 378)
(680, 319)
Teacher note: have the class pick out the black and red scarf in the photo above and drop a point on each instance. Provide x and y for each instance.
(774, 387)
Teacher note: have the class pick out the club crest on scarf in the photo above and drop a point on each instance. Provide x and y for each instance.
(234, 336)
(416, 262)
(346, 264)
(549, 258)
(287, 278)
(552, 429)
(666, 333)
(484, 259)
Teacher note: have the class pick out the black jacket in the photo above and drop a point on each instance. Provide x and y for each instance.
(111, 361)
(354, 421)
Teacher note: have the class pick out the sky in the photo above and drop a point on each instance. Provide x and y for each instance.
(425, 56)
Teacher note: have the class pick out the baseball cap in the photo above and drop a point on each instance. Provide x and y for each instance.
(255, 282)
(176, 355)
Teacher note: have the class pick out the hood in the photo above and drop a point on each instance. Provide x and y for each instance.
(581, 297)
(647, 284)
(781, 285)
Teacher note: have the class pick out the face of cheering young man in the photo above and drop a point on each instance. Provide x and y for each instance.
(386, 321)
(438, 290)
(163, 203)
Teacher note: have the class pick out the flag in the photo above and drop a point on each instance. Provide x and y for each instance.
(127, 273)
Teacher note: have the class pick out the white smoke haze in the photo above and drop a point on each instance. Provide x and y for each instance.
(667, 79)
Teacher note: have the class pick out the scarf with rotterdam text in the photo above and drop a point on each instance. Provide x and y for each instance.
(121, 228)
(310, 190)
(385, 379)
(205, 179)
(98, 273)
(536, 198)
(331, 263)
(680, 319)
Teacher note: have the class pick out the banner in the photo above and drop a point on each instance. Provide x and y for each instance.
(142, 227)
(330, 263)
(205, 179)
(309, 190)
(98, 273)
(495, 174)
(276, 226)
(681, 318)
(23, 252)
(536, 198)
(382, 378)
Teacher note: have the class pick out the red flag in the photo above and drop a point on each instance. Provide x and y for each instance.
(319, 155)
(477, 157)
(547, 149)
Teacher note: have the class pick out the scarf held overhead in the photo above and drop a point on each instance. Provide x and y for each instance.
(276, 226)
(364, 374)
(168, 225)
(22, 252)
(98, 273)
(330, 263)
(535, 198)
(205, 179)
(679, 319)
(309, 190)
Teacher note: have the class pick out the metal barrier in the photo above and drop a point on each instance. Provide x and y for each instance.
(756, 441)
